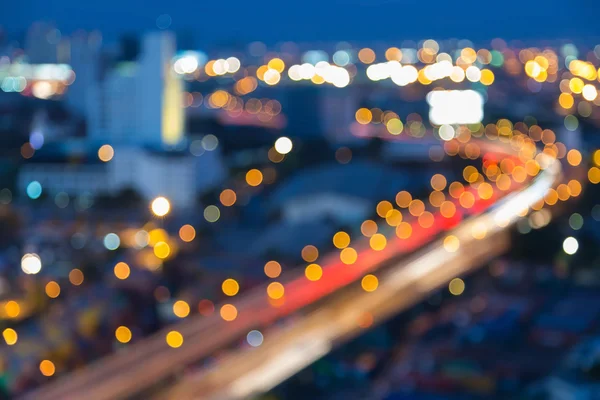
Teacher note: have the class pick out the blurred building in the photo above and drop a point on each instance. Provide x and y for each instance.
(85, 62)
(337, 108)
(140, 102)
(409, 150)
(344, 194)
(160, 110)
(149, 173)
(314, 111)
(287, 238)
(571, 139)
(303, 105)
(41, 80)
(576, 379)
(75, 180)
(210, 166)
(41, 43)
(112, 115)
(155, 173)
(44, 130)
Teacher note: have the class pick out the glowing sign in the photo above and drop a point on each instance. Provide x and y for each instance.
(172, 112)
(188, 61)
(45, 72)
(455, 107)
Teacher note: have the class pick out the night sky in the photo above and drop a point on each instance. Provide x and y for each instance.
(212, 23)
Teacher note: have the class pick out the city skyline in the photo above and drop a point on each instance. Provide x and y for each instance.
(321, 200)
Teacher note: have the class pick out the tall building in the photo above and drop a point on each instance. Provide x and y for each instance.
(303, 116)
(85, 61)
(337, 109)
(149, 173)
(140, 102)
(41, 43)
(112, 115)
(322, 112)
(160, 90)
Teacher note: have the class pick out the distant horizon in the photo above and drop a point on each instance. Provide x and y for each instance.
(240, 22)
(216, 44)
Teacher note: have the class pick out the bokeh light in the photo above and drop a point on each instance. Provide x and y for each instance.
(570, 245)
(76, 277)
(254, 338)
(187, 233)
(272, 269)
(160, 206)
(341, 240)
(47, 368)
(112, 241)
(52, 289)
(313, 272)
(275, 290)
(228, 197)
(451, 243)
(181, 309)
(10, 336)
(31, 263)
(456, 286)
(106, 153)
(123, 334)
(310, 253)
(283, 145)
(212, 213)
(348, 255)
(174, 339)
(228, 312)
(122, 270)
(230, 287)
(369, 283)
(34, 190)
(254, 177)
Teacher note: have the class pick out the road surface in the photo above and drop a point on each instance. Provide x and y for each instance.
(150, 361)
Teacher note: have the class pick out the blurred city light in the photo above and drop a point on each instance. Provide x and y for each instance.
(123, 334)
(254, 338)
(47, 368)
(112, 241)
(160, 206)
(456, 286)
(34, 190)
(31, 263)
(570, 245)
(10, 336)
(106, 153)
(455, 107)
(283, 145)
(174, 339)
(305, 177)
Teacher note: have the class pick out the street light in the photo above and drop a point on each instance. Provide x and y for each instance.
(160, 206)
(31, 263)
(283, 145)
(570, 245)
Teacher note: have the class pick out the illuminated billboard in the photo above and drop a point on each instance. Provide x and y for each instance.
(455, 107)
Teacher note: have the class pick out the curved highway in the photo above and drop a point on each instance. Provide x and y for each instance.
(246, 371)
(285, 351)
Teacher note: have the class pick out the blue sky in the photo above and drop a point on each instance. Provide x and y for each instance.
(311, 20)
